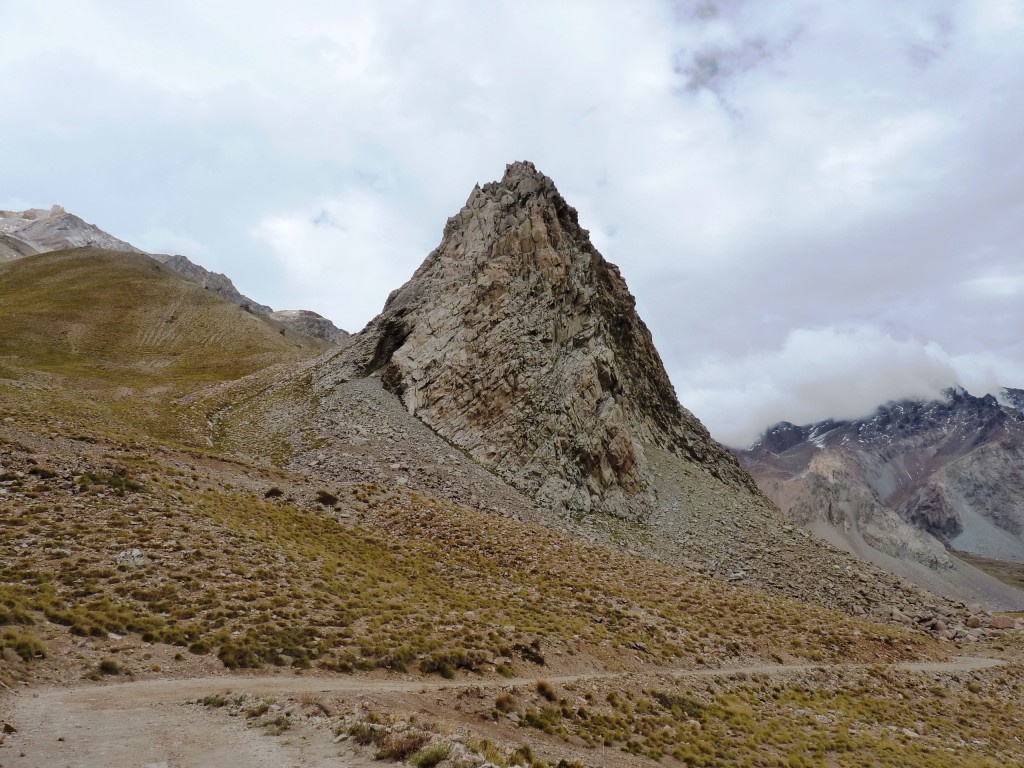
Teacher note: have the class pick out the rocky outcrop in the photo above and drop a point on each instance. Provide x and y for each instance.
(311, 324)
(516, 341)
(12, 247)
(55, 229)
(511, 374)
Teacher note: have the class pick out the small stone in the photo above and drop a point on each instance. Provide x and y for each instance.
(132, 558)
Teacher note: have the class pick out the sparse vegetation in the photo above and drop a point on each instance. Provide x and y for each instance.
(546, 690)
(25, 644)
(400, 746)
(379, 577)
(430, 756)
(229, 571)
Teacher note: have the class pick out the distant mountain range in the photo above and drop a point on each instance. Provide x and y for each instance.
(42, 230)
(912, 485)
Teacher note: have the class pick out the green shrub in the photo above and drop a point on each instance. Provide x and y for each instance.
(118, 481)
(363, 733)
(522, 756)
(547, 690)
(399, 746)
(530, 653)
(505, 702)
(446, 663)
(26, 645)
(430, 756)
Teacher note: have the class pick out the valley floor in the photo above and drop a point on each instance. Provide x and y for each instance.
(163, 723)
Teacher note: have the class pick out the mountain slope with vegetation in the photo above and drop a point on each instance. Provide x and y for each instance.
(186, 488)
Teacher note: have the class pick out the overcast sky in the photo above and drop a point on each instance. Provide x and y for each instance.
(818, 205)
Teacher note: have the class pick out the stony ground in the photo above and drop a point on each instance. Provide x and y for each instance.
(771, 714)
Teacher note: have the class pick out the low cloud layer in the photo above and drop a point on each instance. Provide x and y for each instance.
(829, 372)
(797, 193)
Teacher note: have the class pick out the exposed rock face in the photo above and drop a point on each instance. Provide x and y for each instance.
(11, 248)
(519, 343)
(55, 229)
(311, 324)
(913, 477)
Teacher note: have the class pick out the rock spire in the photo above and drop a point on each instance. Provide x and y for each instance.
(518, 342)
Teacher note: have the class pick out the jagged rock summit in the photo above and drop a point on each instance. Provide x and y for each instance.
(517, 341)
(39, 230)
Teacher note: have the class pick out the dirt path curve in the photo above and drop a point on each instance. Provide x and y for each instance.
(150, 724)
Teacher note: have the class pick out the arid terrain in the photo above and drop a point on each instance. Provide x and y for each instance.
(930, 489)
(480, 531)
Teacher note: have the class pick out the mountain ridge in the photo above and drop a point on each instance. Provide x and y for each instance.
(916, 479)
(41, 230)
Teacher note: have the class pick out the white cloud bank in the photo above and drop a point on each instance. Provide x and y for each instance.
(830, 372)
(342, 254)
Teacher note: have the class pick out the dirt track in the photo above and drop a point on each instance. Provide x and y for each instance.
(150, 724)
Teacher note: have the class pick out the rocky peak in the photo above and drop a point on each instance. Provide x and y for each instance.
(518, 342)
(953, 411)
(51, 229)
(311, 324)
(1013, 398)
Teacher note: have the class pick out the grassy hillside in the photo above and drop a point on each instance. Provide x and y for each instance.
(109, 340)
(370, 578)
(127, 320)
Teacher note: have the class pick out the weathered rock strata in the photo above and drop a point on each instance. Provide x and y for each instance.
(516, 341)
